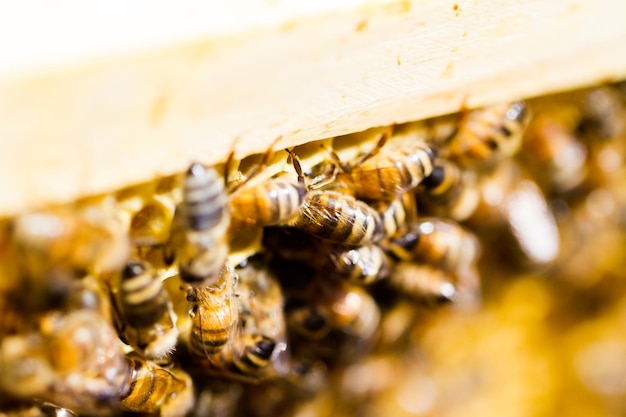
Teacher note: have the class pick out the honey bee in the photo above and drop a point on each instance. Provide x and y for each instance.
(385, 173)
(22, 309)
(34, 408)
(52, 410)
(198, 237)
(398, 213)
(146, 318)
(307, 378)
(423, 281)
(219, 398)
(485, 135)
(149, 388)
(94, 241)
(309, 320)
(263, 320)
(604, 114)
(514, 213)
(12, 319)
(214, 316)
(555, 154)
(270, 202)
(291, 243)
(355, 313)
(248, 358)
(437, 242)
(363, 265)
(339, 319)
(449, 192)
(73, 360)
(338, 218)
(26, 370)
(438, 260)
(257, 354)
(35, 295)
(150, 225)
(257, 346)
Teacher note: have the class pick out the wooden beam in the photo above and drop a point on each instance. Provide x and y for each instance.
(97, 95)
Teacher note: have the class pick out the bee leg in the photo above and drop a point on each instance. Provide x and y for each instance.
(228, 166)
(379, 145)
(265, 161)
(337, 163)
(267, 157)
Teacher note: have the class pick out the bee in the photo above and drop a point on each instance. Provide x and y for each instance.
(93, 241)
(307, 378)
(449, 192)
(341, 320)
(485, 135)
(270, 202)
(149, 388)
(34, 408)
(338, 218)
(363, 265)
(34, 296)
(146, 318)
(150, 225)
(383, 174)
(311, 321)
(398, 213)
(214, 316)
(257, 354)
(515, 214)
(293, 244)
(219, 398)
(603, 114)
(12, 319)
(423, 281)
(263, 320)
(555, 153)
(257, 348)
(437, 242)
(26, 369)
(335, 217)
(198, 237)
(248, 358)
(73, 360)
(52, 410)
(59, 291)
(355, 313)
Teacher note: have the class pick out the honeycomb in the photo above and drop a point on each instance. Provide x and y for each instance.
(466, 265)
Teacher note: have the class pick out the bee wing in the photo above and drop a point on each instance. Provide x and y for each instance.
(330, 218)
(532, 223)
(266, 317)
(218, 319)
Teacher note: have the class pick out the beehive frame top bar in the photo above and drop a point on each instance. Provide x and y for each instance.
(98, 95)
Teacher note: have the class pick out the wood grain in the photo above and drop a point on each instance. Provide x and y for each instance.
(92, 100)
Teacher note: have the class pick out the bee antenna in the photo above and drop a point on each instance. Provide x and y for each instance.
(336, 160)
(228, 166)
(295, 161)
(382, 141)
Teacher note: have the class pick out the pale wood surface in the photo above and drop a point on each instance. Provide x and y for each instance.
(96, 95)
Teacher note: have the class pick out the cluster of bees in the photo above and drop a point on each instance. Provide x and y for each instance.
(251, 289)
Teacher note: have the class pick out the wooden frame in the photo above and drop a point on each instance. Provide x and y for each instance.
(97, 95)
